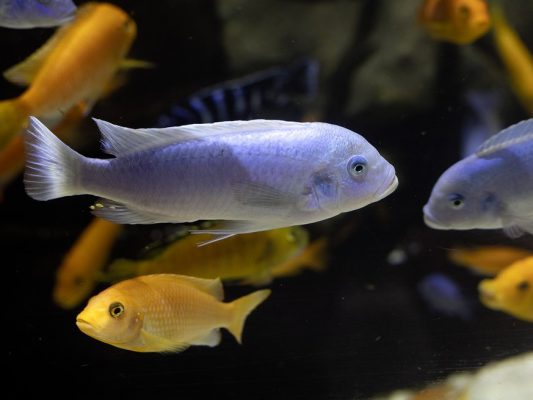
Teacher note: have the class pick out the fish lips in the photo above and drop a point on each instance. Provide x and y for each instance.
(431, 221)
(388, 188)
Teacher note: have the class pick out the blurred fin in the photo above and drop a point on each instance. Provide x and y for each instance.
(123, 214)
(515, 134)
(212, 339)
(130, 63)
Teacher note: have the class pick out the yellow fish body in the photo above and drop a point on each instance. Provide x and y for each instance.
(487, 260)
(249, 257)
(511, 291)
(78, 274)
(74, 66)
(516, 57)
(455, 21)
(165, 313)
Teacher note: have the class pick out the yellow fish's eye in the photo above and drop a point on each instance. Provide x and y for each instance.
(116, 309)
(523, 286)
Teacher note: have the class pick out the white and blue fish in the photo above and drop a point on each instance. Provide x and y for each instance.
(490, 189)
(253, 175)
(25, 14)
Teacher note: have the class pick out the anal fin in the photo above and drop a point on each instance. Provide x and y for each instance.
(212, 339)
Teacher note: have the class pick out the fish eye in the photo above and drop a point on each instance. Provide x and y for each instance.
(464, 11)
(357, 166)
(523, 286)
(116, 309)
(457, 201)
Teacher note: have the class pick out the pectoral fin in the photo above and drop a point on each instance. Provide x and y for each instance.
(124, 214)
(225, 229)
(152, 343)
(261, 195)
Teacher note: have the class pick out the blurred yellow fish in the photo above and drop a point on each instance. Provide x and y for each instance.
(312, 257)
(165, 313)
(75, 65)
(511, 291)
(516, 57)
(487, 260)
(78, 274)
(250, 257)
(455, 21)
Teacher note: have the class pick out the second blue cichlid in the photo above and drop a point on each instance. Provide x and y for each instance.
(490, 189)
(25, 14)
(253, 175)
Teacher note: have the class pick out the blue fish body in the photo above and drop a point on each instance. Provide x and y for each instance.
(443, 296)
(255, 175)
(490, 189)
(25, 14)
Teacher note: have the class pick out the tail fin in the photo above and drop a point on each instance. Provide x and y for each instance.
(242, 308)
(13, 117)
(51, 166)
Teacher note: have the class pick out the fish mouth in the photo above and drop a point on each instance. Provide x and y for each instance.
(431, 221)
(487, 296)
(84, 325)
(390, 187)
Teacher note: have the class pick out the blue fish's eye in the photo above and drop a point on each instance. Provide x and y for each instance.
(457, 201)
(357, 166)
(116, 309)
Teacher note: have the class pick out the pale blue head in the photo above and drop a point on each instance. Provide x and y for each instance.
(465, 197)
(360, 176)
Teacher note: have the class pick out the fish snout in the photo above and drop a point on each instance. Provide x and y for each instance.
(488, 295)
(430, 220)
(389, 185)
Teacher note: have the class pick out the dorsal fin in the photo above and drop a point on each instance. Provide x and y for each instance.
(515, 134)
(24, 72)
(212, 287)
(118, 140)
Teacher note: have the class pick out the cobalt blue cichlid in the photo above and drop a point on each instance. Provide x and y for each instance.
(490, 189)
(24, 14)
(254, 175)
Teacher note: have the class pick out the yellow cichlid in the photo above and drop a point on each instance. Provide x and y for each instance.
(165, 313)
(511, 291)
(78, 274)
(250, 257)
(516, 57)
(455, 21)
(487, 260)
(75, 65)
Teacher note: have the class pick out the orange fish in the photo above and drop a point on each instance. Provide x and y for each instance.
(455, 21)
(516, 58)
(74, 66)
(487, 260)
(78, 274)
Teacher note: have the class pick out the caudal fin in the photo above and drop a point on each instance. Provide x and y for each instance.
(242, 308)
(13, 119)
(51, 166)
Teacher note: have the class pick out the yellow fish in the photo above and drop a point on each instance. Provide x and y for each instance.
(78, 274)
(250, 257)
(516, 58)
(312, 257)
(455, 21)
(165, 313)
(511, 291)
(487, 260)
(75, 65)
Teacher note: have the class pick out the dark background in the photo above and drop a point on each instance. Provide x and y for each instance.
(358, 329)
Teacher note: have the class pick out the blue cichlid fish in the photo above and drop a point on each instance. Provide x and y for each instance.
(255, 175)
(490, 189)
(274, 91)
(25, 14)
(444, 296)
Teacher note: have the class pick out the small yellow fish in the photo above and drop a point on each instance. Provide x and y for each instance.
(249, 257)
(165, 313)
(78, 274)
(72, 67)
(487, 260)
(511, 291)
(455, 21)
(516, 58)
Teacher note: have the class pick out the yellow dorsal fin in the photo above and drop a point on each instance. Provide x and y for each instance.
(24, 72)
(129, 63)
(212, 287)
